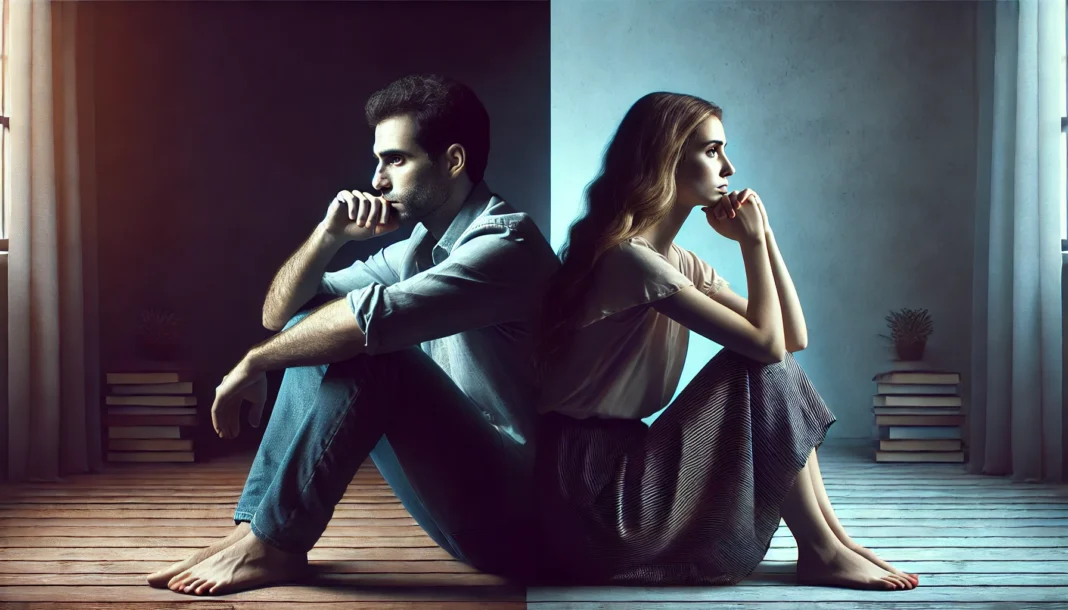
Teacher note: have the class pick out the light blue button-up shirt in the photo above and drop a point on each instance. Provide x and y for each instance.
(467, 300)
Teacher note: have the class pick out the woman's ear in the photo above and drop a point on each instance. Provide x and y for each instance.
(678, 164)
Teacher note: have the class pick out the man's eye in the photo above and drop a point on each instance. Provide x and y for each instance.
(395, 160)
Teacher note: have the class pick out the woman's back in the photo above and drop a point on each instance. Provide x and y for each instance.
(625, 358)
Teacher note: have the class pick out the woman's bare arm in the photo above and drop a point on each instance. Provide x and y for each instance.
(756, 331)
(793, 319)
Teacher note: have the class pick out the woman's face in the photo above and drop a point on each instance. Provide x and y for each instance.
(701, 177)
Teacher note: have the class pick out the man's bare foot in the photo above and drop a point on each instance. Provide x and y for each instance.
(161, 578)
(843, 567)
(247, 564)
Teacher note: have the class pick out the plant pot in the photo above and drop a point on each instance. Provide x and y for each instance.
(910, 351)
(161, 350)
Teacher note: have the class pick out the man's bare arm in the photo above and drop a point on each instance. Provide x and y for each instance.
(351, 216)
(329, 334)
(297, 281)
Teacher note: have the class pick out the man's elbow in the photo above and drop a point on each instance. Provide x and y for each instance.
(271, 322)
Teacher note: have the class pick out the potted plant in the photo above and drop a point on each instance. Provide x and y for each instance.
(158, 334)
(909, 330)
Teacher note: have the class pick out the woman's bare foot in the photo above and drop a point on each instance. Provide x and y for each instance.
(161, 578)
(247, 564)
(843, 567)
(870, 555)
(831, 518)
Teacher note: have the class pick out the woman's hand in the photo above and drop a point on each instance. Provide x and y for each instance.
(726, 206)
(733, 219)
(755, 200)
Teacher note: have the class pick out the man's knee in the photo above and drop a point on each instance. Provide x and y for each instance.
(377, 367)
(297, 317)
(403, 377)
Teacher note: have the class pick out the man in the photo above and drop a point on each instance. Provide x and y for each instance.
(420, 360)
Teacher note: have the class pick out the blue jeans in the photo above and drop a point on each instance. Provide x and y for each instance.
(463, 481)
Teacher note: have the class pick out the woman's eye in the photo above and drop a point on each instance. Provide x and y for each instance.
(711, 152)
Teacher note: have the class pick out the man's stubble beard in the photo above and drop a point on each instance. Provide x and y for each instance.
(422, 201)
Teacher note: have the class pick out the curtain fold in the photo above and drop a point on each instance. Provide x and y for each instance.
(1016, 425)
(53, 363)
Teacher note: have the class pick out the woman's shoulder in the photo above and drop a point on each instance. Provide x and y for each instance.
(638, 252)
(631, 274)
(703, 275)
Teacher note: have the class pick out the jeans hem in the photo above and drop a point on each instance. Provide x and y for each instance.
(243, 515)
(259, 533)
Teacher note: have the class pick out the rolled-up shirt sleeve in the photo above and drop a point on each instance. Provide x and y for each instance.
(492, 276)
(379, 268)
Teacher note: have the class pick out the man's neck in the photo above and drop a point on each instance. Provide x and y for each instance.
(438, 222)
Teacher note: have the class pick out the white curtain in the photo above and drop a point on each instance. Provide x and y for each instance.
(53, 365)
(1017, 416)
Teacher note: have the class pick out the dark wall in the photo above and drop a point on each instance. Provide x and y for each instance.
(225, 129)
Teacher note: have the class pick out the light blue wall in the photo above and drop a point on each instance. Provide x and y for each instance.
(855, 121)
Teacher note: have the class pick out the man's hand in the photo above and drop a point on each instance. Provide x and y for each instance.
(356, 216)
(242, 383)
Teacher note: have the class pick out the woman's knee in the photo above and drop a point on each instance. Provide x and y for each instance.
(729, 355)
(787, 360)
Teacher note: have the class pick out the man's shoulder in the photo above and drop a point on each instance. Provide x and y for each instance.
(503, 237)
(498, 219)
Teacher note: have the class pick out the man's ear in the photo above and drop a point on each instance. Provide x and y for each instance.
(455, 160)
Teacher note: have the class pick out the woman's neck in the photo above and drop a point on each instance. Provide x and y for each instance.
(663, 233)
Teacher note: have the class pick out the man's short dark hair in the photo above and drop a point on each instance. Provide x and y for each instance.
(446, 112)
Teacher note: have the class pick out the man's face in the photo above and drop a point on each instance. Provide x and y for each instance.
(406, 176)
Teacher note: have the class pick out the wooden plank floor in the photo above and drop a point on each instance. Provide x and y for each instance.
(90, 541)
(87, 543)
(976, 542)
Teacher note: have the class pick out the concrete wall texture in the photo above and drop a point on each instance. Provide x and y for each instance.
(855, 121)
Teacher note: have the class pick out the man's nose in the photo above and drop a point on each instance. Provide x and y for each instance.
(380, 182)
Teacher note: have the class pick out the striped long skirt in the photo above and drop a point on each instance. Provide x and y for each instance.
(693, 498)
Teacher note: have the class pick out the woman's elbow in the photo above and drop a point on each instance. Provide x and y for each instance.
(775, 353)
(796, 346)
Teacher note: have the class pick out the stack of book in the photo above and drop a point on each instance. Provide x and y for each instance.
(150, 416)
(918, 412)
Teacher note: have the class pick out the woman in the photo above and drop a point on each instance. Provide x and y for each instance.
(696, 497)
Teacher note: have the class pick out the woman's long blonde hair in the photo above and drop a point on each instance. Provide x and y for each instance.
(634, 191)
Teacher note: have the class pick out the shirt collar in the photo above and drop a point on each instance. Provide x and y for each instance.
(473, 206)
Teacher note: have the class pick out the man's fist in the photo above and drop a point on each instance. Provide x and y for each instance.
(355, 216)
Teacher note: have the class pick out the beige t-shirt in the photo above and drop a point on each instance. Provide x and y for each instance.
(626, 358)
